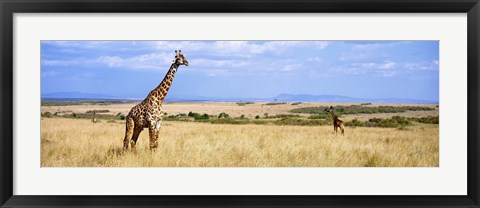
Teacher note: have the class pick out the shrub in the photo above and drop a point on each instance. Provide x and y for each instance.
(223, 115)
(229, 121)
(394, 122)
(426, 120)
(97, 111)
(192, 114)
(257, 117)
(299, 122)
(284, 116)
(47, 114)
(276, 103)
(244, 103)
(354, 122)
(202, 117)
(320, 116)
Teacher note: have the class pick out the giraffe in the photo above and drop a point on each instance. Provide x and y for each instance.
(148, 113)
(94, 119)
(337, 123)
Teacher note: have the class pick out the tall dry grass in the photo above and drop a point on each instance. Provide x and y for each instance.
(80, 143)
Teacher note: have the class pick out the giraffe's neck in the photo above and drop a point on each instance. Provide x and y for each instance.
(157, 95)
(333, 115)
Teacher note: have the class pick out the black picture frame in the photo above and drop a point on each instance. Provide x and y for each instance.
(10, 7)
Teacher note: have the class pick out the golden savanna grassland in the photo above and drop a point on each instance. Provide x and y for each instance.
(68, 142)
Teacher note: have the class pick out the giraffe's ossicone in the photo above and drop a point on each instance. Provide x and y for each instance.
(148, 113)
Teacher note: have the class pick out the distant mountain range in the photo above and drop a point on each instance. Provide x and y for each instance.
(345, 99)
(278, 98)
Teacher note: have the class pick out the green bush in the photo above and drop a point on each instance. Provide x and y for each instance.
(354, 122)
(426, 120)
(229, 121)
(223, 115)
(320, 116)
(284, 116)
(276, 103)
(394, 122)
(244, 103)
(97, 111)
(47, 114)
(202, 117)
(299, 122)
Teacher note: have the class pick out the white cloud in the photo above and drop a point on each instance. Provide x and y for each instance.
(422, 66)
(66, 63)
(111, 61)
(385, 69)
(387, 73)
(209, 63)
(236, 48)
(374, 65)
(291, 67)
(387, 65)
(146, 61)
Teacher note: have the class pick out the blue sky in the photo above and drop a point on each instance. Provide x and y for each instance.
(249, 69)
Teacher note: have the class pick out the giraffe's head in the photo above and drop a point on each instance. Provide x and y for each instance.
(329, 109)
(180, 58)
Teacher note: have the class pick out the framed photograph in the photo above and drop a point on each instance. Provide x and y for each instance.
(239, 104)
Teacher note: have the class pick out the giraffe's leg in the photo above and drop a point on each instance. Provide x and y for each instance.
(153, 131)
(136, 131)
(129, 127)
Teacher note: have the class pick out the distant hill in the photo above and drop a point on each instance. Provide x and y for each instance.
(315, 98)
(278, 98)
(345, 99)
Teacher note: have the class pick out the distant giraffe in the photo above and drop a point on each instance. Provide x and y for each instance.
(148, 113)
(94, 119)
(337, 123)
